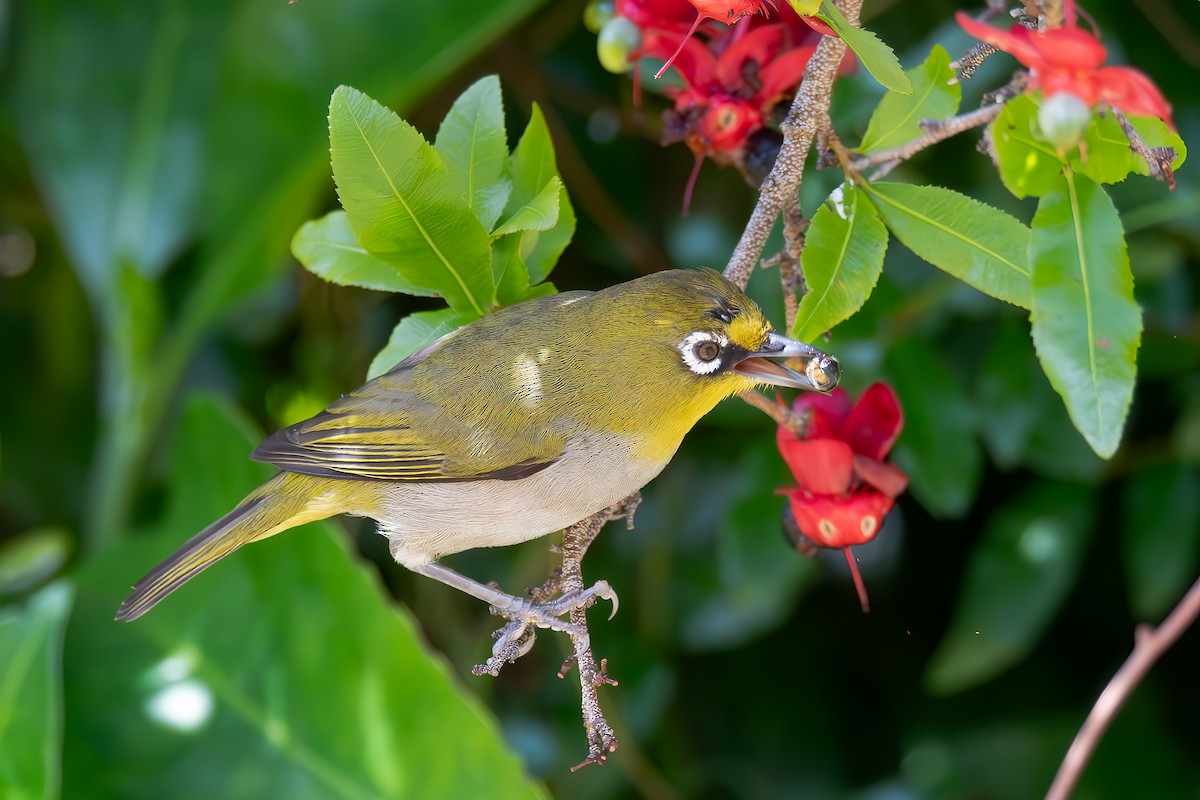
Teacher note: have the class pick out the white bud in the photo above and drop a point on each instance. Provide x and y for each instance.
(1063, 118)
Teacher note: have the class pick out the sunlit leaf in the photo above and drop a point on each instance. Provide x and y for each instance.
(401, 203)
(1086, 322)
(897, 118)
(1160, 532)
(328, 248)
(1016, 580)
(31, 703)
(976, 243)
(414, 332)
(531, 167)
(474, 145)
(842, 259)
(280, 671)
(937, 448)
(1105, 156)
(1028, 166)
(540, 213)
(877, 57)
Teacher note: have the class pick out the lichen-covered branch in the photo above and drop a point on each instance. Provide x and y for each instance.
(1157, 158)
(809, 108)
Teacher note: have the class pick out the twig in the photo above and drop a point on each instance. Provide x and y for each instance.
(576, 540)
(936, 131)
(797, 423)
(803, 120)
(1158, 158)
(1149, 645)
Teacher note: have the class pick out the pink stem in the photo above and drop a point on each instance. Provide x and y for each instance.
(699, 18)
(858, 581)
(691, 183)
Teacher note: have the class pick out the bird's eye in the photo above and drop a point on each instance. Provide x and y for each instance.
(707, 351)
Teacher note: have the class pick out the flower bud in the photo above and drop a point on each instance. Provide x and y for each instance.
(618, 39)
(597, 13)
(1063, 118)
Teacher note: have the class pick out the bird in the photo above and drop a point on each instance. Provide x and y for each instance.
(512, 427)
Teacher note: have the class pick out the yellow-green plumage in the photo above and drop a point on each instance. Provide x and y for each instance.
(514, 426)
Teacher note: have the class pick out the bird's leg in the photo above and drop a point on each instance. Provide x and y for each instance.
(523, 611)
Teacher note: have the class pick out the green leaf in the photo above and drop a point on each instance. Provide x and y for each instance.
(1028, 166)
(876, 56)
(474, 145)
(937, 448)
(542, 249)
(538, 214)
(1160, 534)
(509, 270)
(532, 167)
(842, 260)
(976, 243)
(1105, 156)
(1016, 580)
(897, 118)
(33, 557)
(328, 248)
(402, 205)
(1086, 323)
(31, 703)
(281, 671)
(414, 332)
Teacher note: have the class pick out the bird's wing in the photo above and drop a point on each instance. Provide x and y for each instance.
(385, 431)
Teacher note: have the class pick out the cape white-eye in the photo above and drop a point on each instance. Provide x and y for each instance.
(517, 425)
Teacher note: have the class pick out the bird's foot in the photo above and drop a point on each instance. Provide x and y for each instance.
(526, 615)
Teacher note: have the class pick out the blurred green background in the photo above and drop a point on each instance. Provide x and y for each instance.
(155, 160)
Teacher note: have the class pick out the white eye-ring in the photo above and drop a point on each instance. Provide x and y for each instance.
(702, 352)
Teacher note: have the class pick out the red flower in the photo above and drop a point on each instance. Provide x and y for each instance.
(1069, 60)
(845, 488)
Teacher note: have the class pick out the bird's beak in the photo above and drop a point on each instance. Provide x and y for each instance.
(819, 371)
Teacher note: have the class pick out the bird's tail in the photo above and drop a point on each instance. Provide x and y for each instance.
(283, 502)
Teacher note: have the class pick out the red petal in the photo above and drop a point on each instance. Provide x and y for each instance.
(818, 26)
(783, 74)
(839, 521)
(880, 475)
(1068, 48)
(822, 466)
(1015, 42)
(760, 45)
(875, 422)
(829, 412)
(1133, 92)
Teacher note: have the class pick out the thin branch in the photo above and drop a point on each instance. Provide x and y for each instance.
(803, 120)
(798, 423)
(1157, 158)
(1149, 646)
(937, 131)
(576, 540)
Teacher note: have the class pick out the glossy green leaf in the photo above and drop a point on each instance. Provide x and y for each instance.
(979, 244)
(474, 145)
(877, 57)
(1086, 322)
(1028, 166)
(1017, 578)
(540, 213)
(31, 703)
(402, 205)
(280, 671)
(414, 332)
(531, 167)
(937, 449)
(842, 260)
(328, 248)
(508, 267)
(1160, 534)
(1105, 156)
(897, 118)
